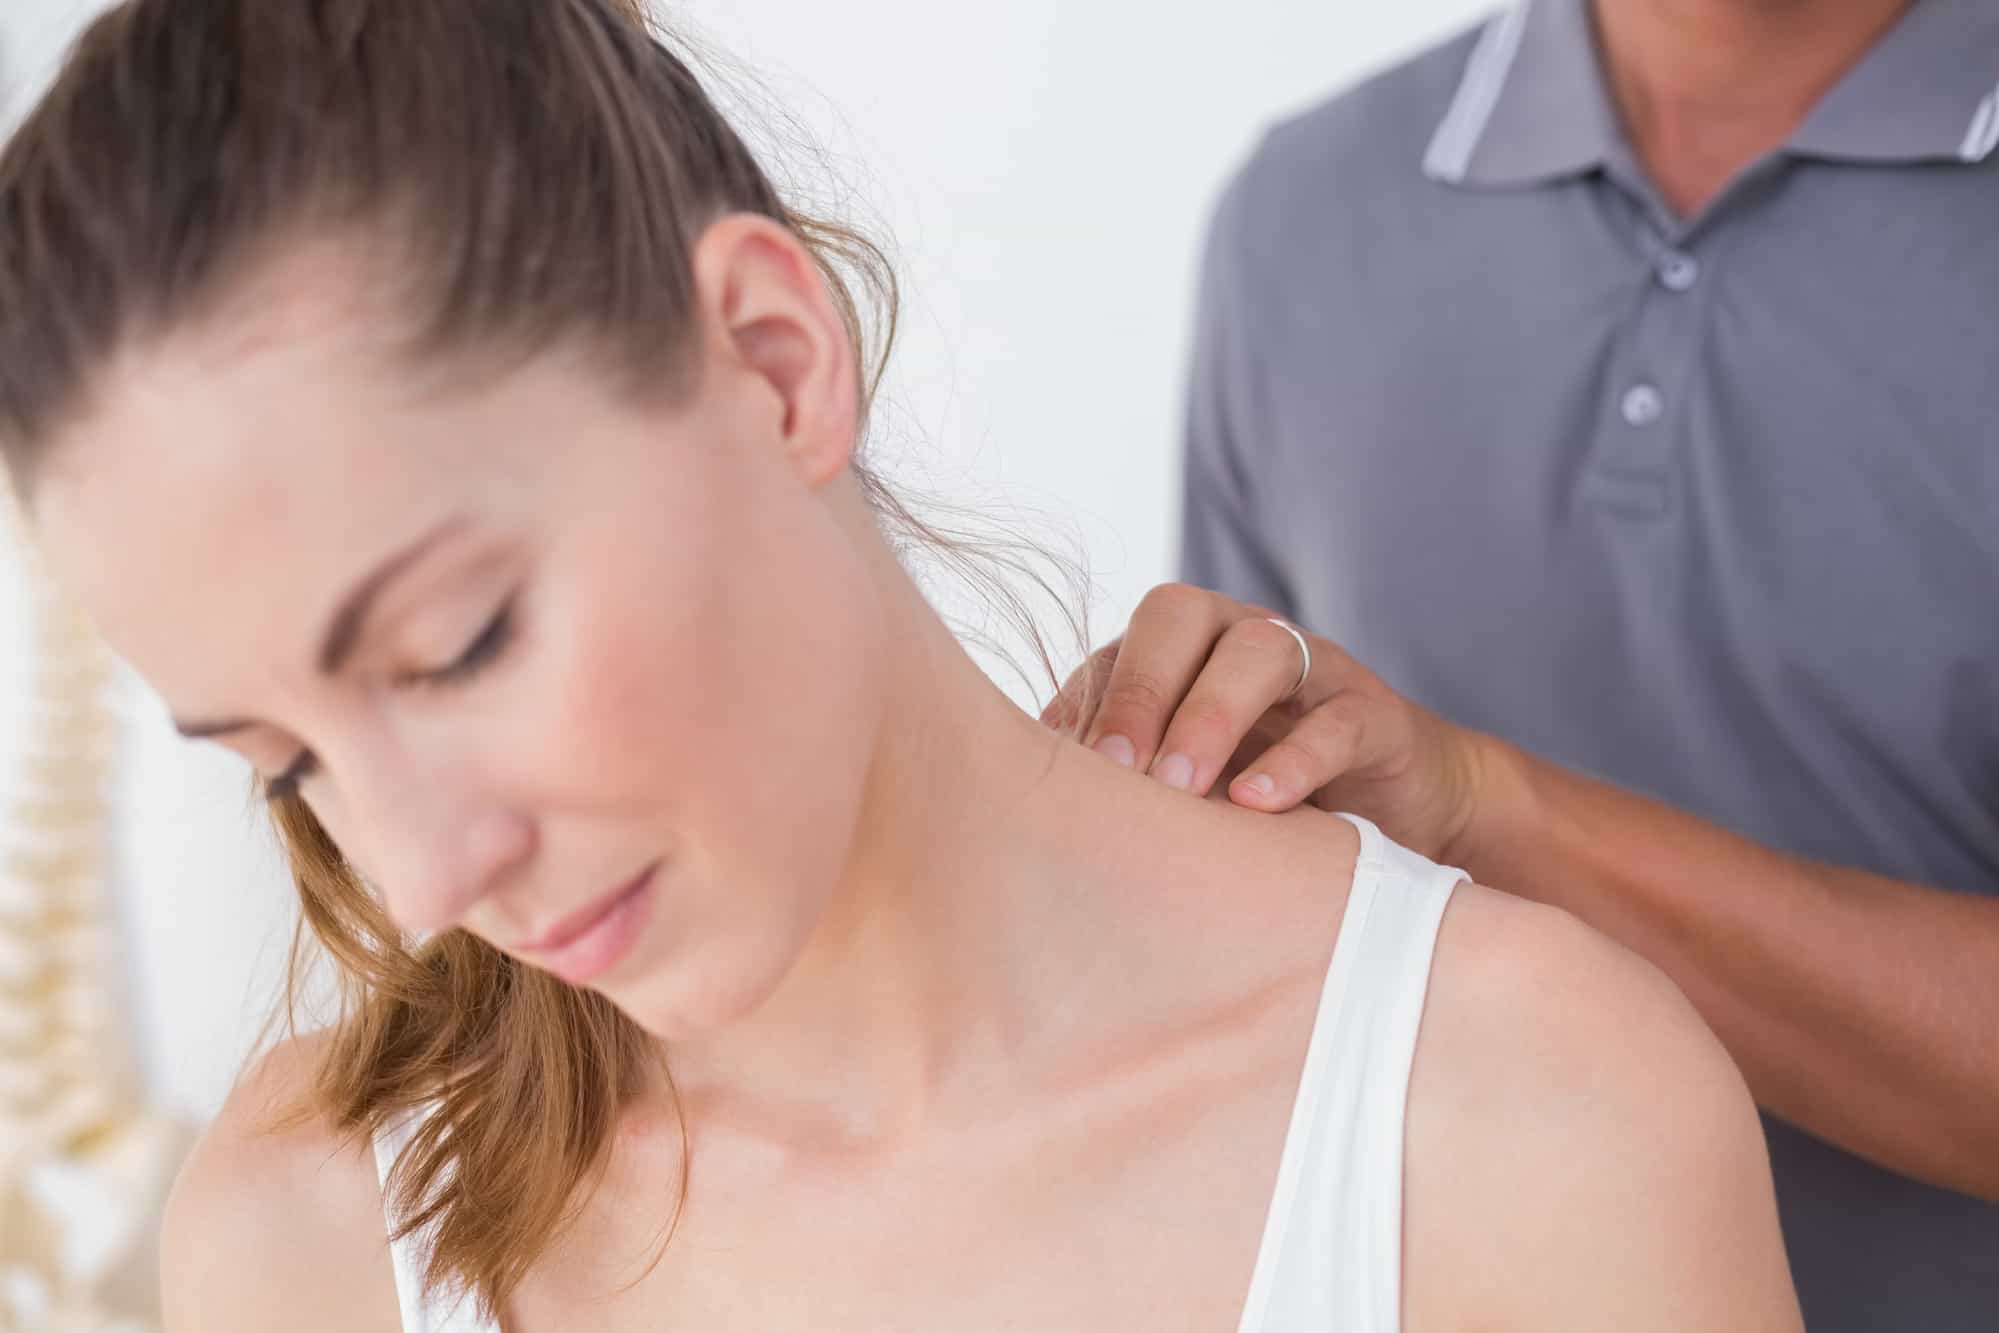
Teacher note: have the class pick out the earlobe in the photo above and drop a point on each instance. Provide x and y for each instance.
(766, 300)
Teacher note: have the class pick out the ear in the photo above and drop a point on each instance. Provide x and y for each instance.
(770, 314)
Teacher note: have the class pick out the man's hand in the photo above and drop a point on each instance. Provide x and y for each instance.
(1878, 1040)
(1193, 693)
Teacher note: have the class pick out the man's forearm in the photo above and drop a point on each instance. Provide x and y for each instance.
(1861, 1008)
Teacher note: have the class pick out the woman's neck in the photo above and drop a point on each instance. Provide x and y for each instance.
(986, 909)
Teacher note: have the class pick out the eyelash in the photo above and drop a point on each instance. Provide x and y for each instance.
(492, 641)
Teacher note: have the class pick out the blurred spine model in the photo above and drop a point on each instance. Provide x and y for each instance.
(84, 1164)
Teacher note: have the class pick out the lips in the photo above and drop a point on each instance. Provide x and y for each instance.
(592, 940)
(572, 926)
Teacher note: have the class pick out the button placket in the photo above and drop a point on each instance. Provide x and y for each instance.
(1645, 378)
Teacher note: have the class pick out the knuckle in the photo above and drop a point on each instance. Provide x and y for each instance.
(1203, 716)
(1260, 636)
(1176, 601)
(1320, 736)
(1345, 711)
(1329, 732)
(1298, 758)
(1136, 693)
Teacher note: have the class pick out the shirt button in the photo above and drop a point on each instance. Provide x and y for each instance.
(1642, 405)
(1678, 272)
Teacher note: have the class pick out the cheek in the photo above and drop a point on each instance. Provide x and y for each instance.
(753, 725)
(722, 678)
(718, 645)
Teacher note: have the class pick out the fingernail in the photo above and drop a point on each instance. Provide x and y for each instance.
(1118, 749)
(1258, 783)
(1177, 771)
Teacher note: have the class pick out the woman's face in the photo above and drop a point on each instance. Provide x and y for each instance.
(519, 640)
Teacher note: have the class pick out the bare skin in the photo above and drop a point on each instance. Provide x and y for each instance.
(1706, 87)
(1880, 1037)
(1120, 1179)
(975, 1029)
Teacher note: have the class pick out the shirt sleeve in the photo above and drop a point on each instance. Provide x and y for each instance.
(1223, 541)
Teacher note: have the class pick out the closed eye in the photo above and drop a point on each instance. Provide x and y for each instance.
(479, 654)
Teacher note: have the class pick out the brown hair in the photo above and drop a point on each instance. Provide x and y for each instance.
(536, 170)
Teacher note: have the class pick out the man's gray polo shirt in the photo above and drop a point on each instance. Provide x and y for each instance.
(1708, 508)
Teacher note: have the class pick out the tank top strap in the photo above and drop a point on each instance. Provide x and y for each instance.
(1332, 1248)
(436, 1312)
(1393, 860)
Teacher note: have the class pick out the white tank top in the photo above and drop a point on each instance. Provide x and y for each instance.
(1331, 1256)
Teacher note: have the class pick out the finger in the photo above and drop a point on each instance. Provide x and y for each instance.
(1167, 644)
(1350, 732)
(1071, 689)
(1251, 669)
(1077, 697)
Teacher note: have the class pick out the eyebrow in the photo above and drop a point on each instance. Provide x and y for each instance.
(349, 621)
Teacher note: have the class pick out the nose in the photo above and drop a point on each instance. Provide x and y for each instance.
(436, 847)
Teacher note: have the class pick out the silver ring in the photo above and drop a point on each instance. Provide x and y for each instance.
(1303, 672)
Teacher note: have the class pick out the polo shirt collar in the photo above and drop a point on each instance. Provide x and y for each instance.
(1532, 106)
(1927, 92)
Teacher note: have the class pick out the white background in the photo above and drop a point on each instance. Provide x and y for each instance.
(1044, 170)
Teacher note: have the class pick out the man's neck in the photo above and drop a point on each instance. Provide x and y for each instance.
(1706, 87)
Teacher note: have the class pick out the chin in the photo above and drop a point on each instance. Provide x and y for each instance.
(685, 1000)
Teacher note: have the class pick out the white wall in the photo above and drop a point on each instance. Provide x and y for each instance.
(1045, 169)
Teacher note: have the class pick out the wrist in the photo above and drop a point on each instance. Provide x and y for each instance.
(1499, 807)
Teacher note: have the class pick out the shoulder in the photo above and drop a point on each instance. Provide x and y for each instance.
(1582, 1152)
(275, 1225)
(1359, 149)
(1528, 1002)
